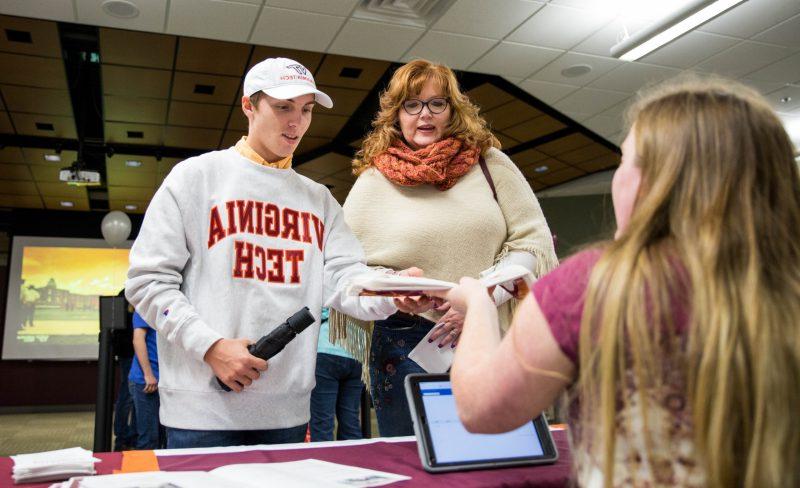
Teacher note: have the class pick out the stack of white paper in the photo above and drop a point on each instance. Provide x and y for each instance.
(52, 465)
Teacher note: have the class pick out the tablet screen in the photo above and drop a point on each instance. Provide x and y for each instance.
(453, 444)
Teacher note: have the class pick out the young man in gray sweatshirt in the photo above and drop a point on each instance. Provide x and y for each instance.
(232, 244)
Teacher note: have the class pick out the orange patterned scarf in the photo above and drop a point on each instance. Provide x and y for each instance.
(441, 163)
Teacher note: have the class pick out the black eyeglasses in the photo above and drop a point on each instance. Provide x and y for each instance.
(413, 106)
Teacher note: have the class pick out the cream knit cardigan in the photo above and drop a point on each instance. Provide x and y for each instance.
(449, 234)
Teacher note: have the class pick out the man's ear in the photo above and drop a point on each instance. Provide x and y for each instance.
(247, 106)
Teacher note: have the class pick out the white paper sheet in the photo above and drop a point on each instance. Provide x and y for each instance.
(307, 473)
(430, 356)
(397, 285)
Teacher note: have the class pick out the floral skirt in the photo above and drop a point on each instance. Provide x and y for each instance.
(392, 340)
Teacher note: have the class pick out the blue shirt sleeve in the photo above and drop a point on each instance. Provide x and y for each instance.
(138, 321)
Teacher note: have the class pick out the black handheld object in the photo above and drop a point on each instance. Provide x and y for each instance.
(274, 342)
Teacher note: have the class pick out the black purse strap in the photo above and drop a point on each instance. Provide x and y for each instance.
(488, 176)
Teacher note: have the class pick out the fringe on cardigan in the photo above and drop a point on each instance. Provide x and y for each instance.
(355, 336)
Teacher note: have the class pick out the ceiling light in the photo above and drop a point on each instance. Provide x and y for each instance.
(541, 169)
(786, 99)
(694, 14)
(53, 158)
(123, 9)
(131, 207)
(132, 163)
(66, 203)
(576, 70)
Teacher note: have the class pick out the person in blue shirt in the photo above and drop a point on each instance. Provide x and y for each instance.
(124, 416)
(143, 384)
(337, 392)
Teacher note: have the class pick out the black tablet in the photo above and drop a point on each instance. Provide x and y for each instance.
(445, 445)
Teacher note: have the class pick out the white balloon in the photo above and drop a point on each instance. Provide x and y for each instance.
(116, 227)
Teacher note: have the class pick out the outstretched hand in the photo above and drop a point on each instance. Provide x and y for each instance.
(414, 305)
(468, 290)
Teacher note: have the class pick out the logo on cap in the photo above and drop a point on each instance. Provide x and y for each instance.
(301, 70)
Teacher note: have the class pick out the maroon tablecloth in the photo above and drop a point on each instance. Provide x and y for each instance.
(394, 457)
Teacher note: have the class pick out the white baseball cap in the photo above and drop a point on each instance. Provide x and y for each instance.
(283, 78)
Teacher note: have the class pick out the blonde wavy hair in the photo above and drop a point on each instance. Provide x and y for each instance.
(720, 195)
(408, 81)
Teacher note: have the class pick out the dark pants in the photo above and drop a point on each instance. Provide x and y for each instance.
(183, 438)
(146, 410)
(392, 340)
(124, 414)
(337, 393)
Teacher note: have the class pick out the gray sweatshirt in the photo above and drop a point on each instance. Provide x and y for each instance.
(230, 249)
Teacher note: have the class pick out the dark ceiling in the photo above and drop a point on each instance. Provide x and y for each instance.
(136, 103)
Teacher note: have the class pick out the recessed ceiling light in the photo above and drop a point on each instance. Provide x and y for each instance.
(541, 169)
(786, 99)
(123, 9)
(132, 163)
(55, 158)
(131, 207)
(576, 70)
(66, 203)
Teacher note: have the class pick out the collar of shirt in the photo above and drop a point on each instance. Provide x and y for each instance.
(243, 148)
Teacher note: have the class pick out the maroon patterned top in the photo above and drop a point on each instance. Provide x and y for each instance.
(561, 295)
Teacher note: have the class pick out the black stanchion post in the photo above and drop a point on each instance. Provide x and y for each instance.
(112, 317)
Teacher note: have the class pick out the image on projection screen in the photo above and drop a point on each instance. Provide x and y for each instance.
(52, 305)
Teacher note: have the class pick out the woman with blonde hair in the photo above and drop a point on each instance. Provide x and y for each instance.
(681, 338)
(433, 190)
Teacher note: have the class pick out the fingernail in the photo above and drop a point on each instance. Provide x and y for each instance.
(453, 345)
(441, 346)
(430, 340)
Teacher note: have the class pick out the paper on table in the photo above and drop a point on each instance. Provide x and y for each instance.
(52, 465)
(308, 473)
(150, 479)
(514, 278)
(430, 356)
(50, 458)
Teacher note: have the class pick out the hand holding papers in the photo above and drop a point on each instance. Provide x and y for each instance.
(411, 304)
(514, 278)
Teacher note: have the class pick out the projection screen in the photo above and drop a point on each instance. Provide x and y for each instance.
(52, 305)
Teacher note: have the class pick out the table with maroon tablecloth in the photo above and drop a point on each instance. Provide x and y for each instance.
(380, 454)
